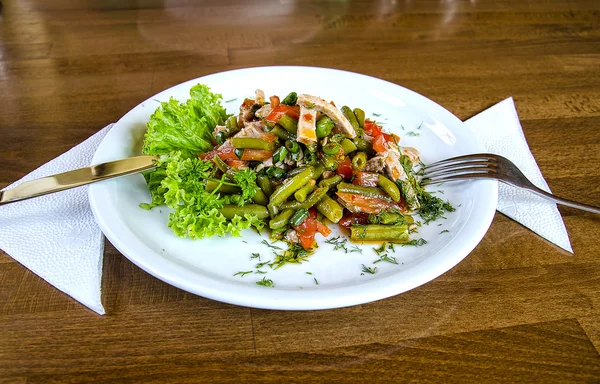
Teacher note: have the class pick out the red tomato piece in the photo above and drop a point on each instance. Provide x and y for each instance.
(278, 112)
(344, 168)
(224, 153)
(371, 128)
(379, 144)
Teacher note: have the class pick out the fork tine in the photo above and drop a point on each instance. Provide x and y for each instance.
(460, 166)
(443, 179)
(459, 171)
(462, 159)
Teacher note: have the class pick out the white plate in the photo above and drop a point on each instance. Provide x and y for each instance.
(207, 267)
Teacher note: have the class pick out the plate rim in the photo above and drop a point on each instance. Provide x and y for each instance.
(298, 299)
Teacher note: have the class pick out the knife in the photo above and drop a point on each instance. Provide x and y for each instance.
(77, 178)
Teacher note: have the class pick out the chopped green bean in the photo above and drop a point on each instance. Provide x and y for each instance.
(360, 116)
(232, 125)
(292, 146)
(301, 194)
(330, 208)
(329, 162)
(281, 219)
(389, 187)
(324, 126)
(211, 185)
(348, 146)
(265, 184)
(280, 154)
(362, 144)
(260, 197)
(331, 182)
(364, 191)
(311, 200)
(299, 217)
(288, 187)
(252, 143)
(280, 132)
(359, 161)
(232, 210)
(331, 148)
(221, 136)
(290, 99)
(289, 123)
(375, 232)
(350, 116)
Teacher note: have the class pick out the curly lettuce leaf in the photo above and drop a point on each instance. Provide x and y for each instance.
(186, 127)
(179, 182)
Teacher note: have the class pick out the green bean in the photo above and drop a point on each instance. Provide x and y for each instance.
(232, 210)
(409, 195)
(280, 154)
(303, 192)
(290, 99)
(280, 132)
(311, 200)
(360, 116)
(389, 187)
(265, 184)
(330, 182)
(220, 164)
(289, 123)
(260, 197)
(231, 124)
(348, 146)
(362, 144)
(252, 143)
(330, 209)
(211, 185)
(390, 218)
(281, 219)
(288, 187)
(359, 161)
(221, 136)
(299, 217)
(310, 158)
(273, 210)
(294, 171)
(292, 146)
(375, 232)
(350, 116)
(364, 191)
(331, 148)
(329, 162)
(324, 126)
(317, 170)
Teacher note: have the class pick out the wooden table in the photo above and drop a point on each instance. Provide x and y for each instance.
(516, 309)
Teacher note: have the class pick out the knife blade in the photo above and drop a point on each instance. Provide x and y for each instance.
(77, 178)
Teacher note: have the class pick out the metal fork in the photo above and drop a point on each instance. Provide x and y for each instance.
(490, 166)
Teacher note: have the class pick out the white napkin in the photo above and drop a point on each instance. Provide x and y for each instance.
(55, 236)
(499, 129)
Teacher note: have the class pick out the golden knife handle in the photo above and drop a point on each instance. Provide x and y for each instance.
(77, 178)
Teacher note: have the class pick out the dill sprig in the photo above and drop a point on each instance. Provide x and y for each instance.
(338, 243)
(266, 282)
(265, 242)
(371, 270)
(242, 273)
(386, 258)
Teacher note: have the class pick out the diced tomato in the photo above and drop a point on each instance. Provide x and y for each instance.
(371, 128)
(366, 179)
(354, 218)
(306, 232)
(392, 138)
(344, 168)
(379, 144)
(256, 155)
(281, 110)
(323, 229)
(224, 153)
(248, 103)
(364, 204)
(312, 211)
(274, 101)
(235, 163)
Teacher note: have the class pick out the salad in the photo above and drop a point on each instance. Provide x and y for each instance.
(293, 166)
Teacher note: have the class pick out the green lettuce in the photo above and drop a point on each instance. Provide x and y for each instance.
(196, 212)
(186, 127)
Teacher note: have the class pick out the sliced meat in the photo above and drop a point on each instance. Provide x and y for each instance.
(313, 102)
(413, 155)
(307, 130)
(264, 111)
(375, 164)
(253, 129)
(393, 166)
(259, 97)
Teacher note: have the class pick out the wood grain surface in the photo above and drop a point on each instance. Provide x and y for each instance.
(517, 309)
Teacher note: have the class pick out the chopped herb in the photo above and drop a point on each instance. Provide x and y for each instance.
(402, 127)
(309, 273)
(255, 256)
(414, 243)
(386, 258)
(338, 243)
(420, 125)
(376, 114)
(356, 248)
(259, 272)
(370, 270)
(391, 247)
(381, 249)
(413, 133)
(265, 242)
(444, 231)
(432, 207)
(244, 241)
(260, 265)
(295, 254)
(316, 282)
(242, 273)
(265, 282)
(229, 101)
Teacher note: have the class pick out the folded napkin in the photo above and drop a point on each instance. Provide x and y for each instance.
(499, 130)
(56, 237)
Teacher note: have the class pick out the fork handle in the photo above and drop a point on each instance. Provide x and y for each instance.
(568, 203)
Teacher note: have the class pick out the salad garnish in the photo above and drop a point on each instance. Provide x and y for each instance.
(295, 165)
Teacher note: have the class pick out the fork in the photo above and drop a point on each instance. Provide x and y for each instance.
(490, 166)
